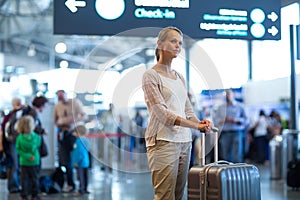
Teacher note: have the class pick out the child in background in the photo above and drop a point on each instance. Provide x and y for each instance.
(80, 157)
(27, 146)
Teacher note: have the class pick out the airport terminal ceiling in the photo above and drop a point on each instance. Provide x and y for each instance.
(26, 30)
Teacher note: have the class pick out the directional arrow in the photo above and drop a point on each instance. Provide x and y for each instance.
(273, 30)
(273, 16)
(73, 4)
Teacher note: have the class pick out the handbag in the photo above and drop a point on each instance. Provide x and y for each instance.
(43, 149)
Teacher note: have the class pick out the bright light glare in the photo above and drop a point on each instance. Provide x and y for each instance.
(111, 9)
(64, 64)
(290, 13)
(60, 47)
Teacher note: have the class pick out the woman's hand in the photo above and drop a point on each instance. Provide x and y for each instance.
(205, 126)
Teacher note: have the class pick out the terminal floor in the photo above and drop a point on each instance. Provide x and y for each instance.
(120, 185)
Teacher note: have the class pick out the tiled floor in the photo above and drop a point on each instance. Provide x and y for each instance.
(133, 182)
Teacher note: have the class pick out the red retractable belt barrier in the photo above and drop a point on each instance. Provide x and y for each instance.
(103, 135)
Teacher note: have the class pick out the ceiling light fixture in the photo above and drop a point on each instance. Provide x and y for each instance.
(31, 51)
(60, 47)
(64, 64)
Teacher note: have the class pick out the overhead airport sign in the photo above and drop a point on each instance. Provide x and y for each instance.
(234, 19)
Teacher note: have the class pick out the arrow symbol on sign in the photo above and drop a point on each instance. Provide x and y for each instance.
(273, 30)
(273, 16)
(73, 4)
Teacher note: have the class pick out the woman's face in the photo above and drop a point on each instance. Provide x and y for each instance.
(171, 47)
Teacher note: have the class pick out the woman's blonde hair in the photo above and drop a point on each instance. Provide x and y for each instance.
(162, 36)
(25, 124)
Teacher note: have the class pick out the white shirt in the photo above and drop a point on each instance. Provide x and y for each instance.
(158, 102)
(261, 128)
(175, 96)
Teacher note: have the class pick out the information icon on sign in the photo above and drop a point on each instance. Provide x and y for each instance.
(110, 9)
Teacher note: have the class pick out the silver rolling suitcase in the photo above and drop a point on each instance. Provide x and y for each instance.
(223, 180)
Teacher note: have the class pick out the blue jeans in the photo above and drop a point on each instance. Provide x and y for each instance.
(231, 146)
(13, 175)
(82, 176)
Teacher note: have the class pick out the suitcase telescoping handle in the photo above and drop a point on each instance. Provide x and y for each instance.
(215, 133)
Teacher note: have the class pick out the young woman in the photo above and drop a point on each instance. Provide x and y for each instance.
(168, 135)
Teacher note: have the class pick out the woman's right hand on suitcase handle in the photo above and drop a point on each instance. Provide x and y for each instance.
(205, 126)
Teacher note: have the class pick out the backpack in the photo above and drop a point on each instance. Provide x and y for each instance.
(47, 185)
(11, 132)
(58, 177)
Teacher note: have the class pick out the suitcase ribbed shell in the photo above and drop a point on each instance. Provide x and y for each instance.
(224, 181)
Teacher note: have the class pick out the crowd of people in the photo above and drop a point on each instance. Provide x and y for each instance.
(73, 147)
(23, 145)
(261, 132)
(243, 137)
(10, 134)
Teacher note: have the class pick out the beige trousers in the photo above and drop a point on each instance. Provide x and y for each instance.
(169, 166)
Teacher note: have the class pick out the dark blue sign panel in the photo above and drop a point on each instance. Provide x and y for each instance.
(235, 19)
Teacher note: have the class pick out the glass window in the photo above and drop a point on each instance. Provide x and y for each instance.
(230, 58)
(271, 59)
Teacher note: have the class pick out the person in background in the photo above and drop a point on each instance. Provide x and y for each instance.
(275, 124)
(110, 121)
(137, 139)
(139, 128)
(260, 138)
(38, 105)
(168, 135)
(80, 158)
(27, 146)
(67, 112)
(232, 115)
(9, 146)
